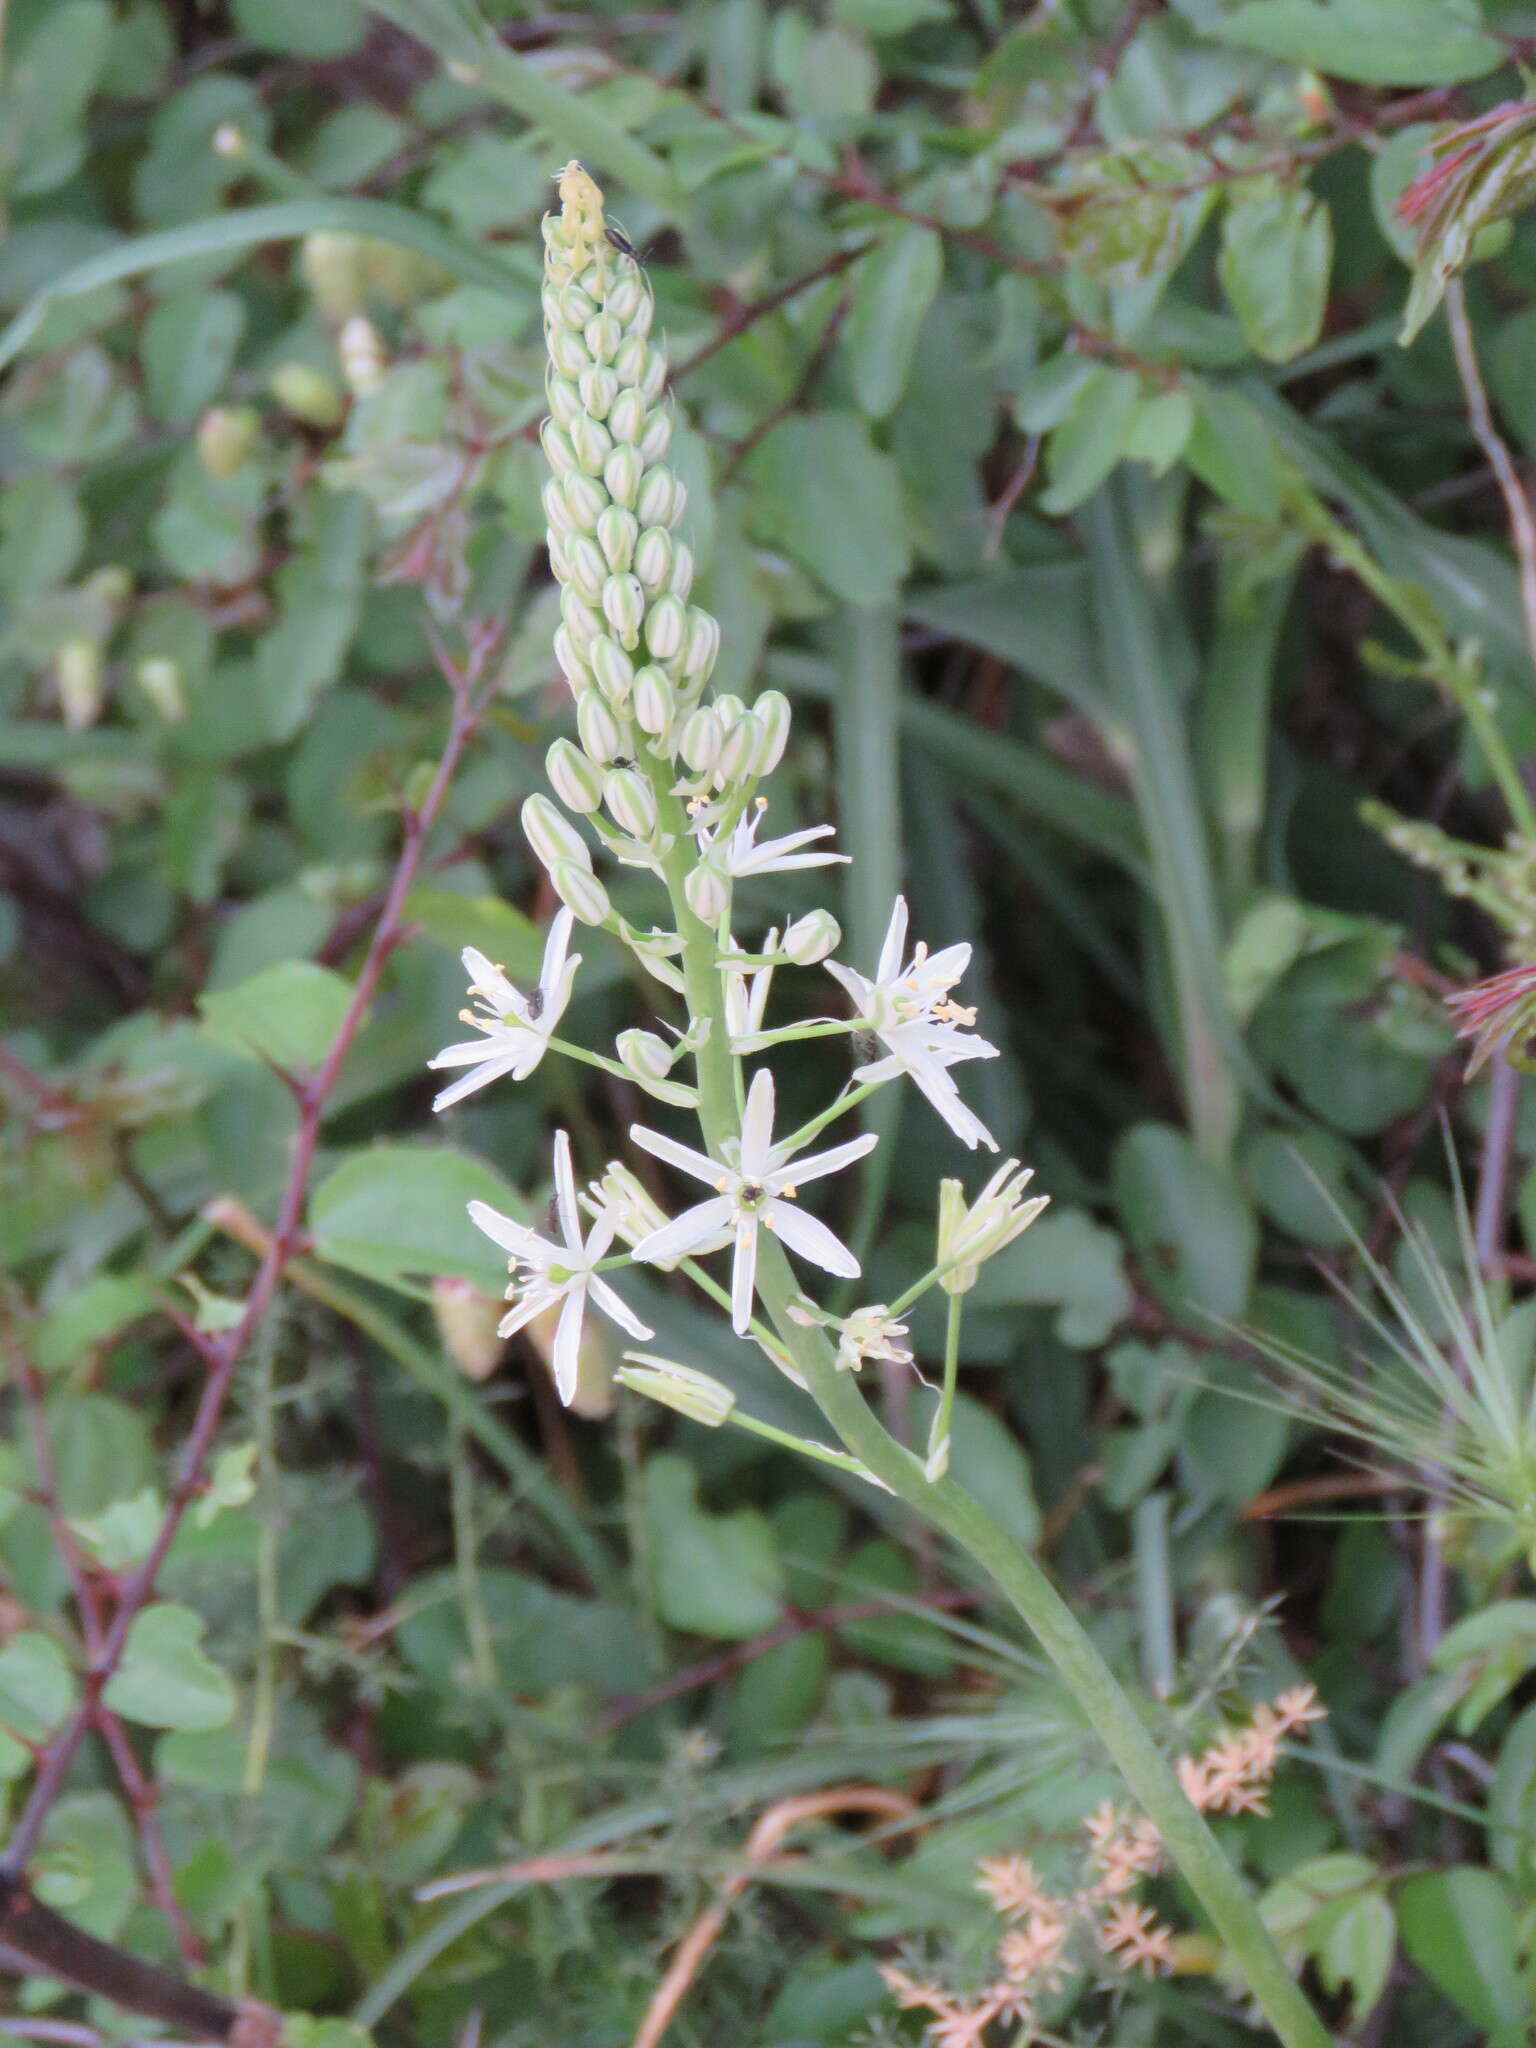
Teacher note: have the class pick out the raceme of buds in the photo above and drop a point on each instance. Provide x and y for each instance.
(811, 938)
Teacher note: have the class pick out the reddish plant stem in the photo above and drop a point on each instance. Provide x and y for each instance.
(740, 317)
(223, 1355)
(138, 1788)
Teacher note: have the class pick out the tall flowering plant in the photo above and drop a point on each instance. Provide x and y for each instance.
(664, 776)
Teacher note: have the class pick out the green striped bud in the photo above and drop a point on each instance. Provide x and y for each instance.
(564, 398)
(617, 533)
(591, 443)
(624, 473)
(653, 507)
(812, 938)
(632, 362)
(585, 500)
(653, 559)
(657, 438)
(575, 780)
(567, 351)
(613, 669)
(556, 510)
(601, 733)
(599, 387)
(680, 1387)
(655, 701)
(581, 621)
(553, 838)
(680, 582)
(772, 713)
(624, 608)
(708, 890)
(572, 667)
(625, 298)
(701, 739)
(631, 802)
(701, 643)
(558, 452)
(665, 626)
(587, 571)
(645, 1054)
(626, 422)
(581, 892)
(602, 335)
(558, 560)
(737, 755)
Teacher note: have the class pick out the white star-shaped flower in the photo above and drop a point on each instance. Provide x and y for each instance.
(516, 1028)
(909, 1009)
(545, 1271)
(755, 1190)
(740, 854)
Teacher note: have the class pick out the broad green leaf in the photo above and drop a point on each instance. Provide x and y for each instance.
(1276, 254)
(1356, 1952)
(1373, 42)
(1232, 451)
(55, 72)
(1459, 1926)
(89, 1315)
(1512, 1802)
(399, 1211)
(166, 1679)
(1194, 1234)
(189, 343)
(715, 1575)
(823, 491)
(1066, 1261)
(101, 1450)
(990, 1463)
(1091, 438)
(1300, 1181)
(287, 1015)
(85, 1865)
(299, 28)
(894, 285)
(498, 930)
(122, 1534)
(37, 1687)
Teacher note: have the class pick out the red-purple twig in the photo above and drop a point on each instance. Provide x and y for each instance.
(223, 1354)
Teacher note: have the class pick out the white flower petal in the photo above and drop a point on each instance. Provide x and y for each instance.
(895, 944)
(945, 1097)
(530, 1303)
(487, 981)
(683, 1157)
(757, 1128)
(477, 1077)
(817, 1164)
(565, 1195)
(744, 1271)
(567, 1346)
(686, 1233)
(811, 1238)
(511, 1235)
(616, 1309)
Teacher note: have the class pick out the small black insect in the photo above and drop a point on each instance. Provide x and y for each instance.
(866, 1046)
(534, 1005)
(617, 239)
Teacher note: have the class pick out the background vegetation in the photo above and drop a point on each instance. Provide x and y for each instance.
(1155, 620)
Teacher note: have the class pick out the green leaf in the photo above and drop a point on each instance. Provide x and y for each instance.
(287, 1015)
(824, 492)
(1299, 1180)
(1067, 1261)
(122, 1534)
(1232, 451)
(499, 931)
(715, 1575)
(1276, 255)
(298, 28)
(89, 1315)
(990, 1463)
(85, 1864)
(894, 285)
(1373, 42)
(189, 343)
(1459, 1926)
(1512, 1803)
(165, 1679)
(1194, 1233)
(56, 69)
(1091, 438)
(101, 1451)
(1356, 1952)
(399, 1211)
(37, 1687)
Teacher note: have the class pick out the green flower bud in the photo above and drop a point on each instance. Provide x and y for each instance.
(363, 359)
(576, 671)
(581, 621)
(601, 733)
(575, 780)
(585, 500)
(739, 752)
(653, 559)
(580, 891)
(558, 452)
(602, 335)
(226, 434)
(680, 581)
(812, 938)
(772, 713)
(653, 507)
(626, 422)
(599, 388)
(567, 351)
(655, 701)
(653, 376)
(645, 1054)
(553, 838)
(623, 473)
(624, 608)
(730, 709)
(701, 644)
(631, 803)
(591, 443)
(556, 510)
(588, 571)
(680, 1387)
(702, 737)
(708, 890)
(576, 307)
(612, 668)
(308, 394)
(564, 399)
(657, 438)
(559, 560)
(665, 625)
(160, 679)
(77, 673)
(334, 267)
(624, 298)
(617, 533)
(632, 362)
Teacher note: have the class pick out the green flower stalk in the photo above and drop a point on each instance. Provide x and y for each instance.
(668, 779)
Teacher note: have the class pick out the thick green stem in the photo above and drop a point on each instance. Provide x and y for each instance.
(948, 1507)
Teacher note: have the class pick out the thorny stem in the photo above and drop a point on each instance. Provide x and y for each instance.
(946, 1506)
(223, 1355)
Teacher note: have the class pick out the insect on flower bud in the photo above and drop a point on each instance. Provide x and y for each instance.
(739, 752)
(701, 644)
(591, 443)
(653, 507)
(614, 670)
(617, 533)
(655, 702)
(599, 387)
(702, 738)
(708, 890)
(653, 559)
(623, 473)
(771, 710)
(581, 892)
(574, 778)
(645, 1054)
(631, 803)
(665, 626)
(812, 938)
(601, 734)
(681, 1387)
(626, 422)
(553, 838)
(624, 608)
